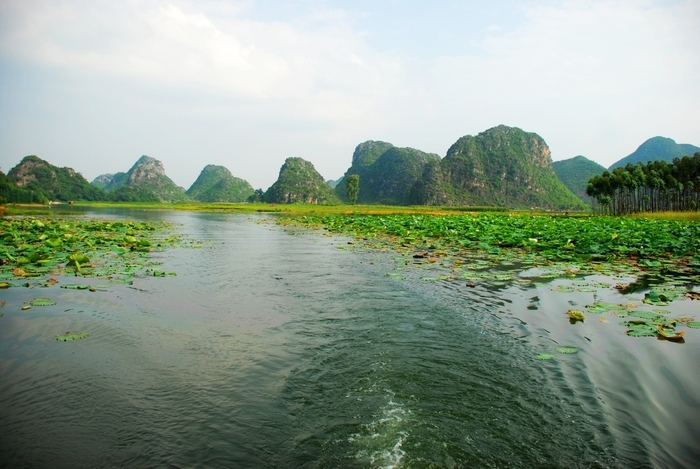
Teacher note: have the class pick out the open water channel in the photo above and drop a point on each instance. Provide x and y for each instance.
(277, 349)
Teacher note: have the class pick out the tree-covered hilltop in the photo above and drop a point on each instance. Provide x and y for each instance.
(575, 173)
(217, 184)
(48, 182)
(503, 166)
(655, 186)
(657, 149)
(300, 183)
(144, 182)
(387, 173)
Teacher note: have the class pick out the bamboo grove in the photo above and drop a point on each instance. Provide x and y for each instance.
(654, 187)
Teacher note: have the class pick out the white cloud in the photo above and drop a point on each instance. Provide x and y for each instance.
(592, 77)
(587, 64)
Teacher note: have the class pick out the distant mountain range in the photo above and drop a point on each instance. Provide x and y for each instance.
(502, 166)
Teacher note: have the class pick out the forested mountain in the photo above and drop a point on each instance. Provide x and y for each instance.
(217, 184)
(657, 149)
(300, 183)
(12, 193)
(144, 182)
(387, 173)
(502, 166)
(655, 186)
(575, 173)
(48, 182)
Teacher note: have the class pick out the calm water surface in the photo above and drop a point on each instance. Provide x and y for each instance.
(272, 349)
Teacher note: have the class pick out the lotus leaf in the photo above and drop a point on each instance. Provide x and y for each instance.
(42, 302)
(641, 332)
(644, 315)
(544, 356)
(567, 350)
(75, 286)
(655, 298)
(693, 324)
(72, 336)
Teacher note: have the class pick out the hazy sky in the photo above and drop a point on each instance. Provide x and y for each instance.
(95, 84)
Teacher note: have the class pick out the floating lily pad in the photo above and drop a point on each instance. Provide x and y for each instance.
(544, 356)
(72, 336)
(603, 307)
(693, 324)
(643, 314)
(567, 350)
(75, 286)
(42, 302)
(642, 332)
(656, 298)
(564, 289)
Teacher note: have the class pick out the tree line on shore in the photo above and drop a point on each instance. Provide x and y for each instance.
(653, 187)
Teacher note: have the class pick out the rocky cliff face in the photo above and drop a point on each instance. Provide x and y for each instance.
(52, 183)
(502, 166)
(300, 183)
(144, 182)
(217, 184)
(147, 171)
(387, 173)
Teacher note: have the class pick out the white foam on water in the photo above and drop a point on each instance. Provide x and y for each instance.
(382, 439)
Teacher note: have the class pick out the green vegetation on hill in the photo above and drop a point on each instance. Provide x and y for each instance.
(12, 193)
(657, 149)
(217, 184)
(48, 182)
(144, 182)
(299, 182)
(387, 173)
(502, 166)
(575, 173)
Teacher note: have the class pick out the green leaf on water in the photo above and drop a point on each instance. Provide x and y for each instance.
(42, 302)
(78, 258)
(641, 332)
(693, 324)
(567, 350)
(72, 336)
(118, 250)
(75, 286)
(544, 356)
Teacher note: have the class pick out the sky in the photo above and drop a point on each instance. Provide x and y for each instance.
(95, 84)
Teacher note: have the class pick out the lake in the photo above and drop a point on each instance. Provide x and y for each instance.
(273, 348)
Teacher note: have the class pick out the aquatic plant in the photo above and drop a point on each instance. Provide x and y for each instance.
(42, 302)
(72, 336)
(36, 250)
